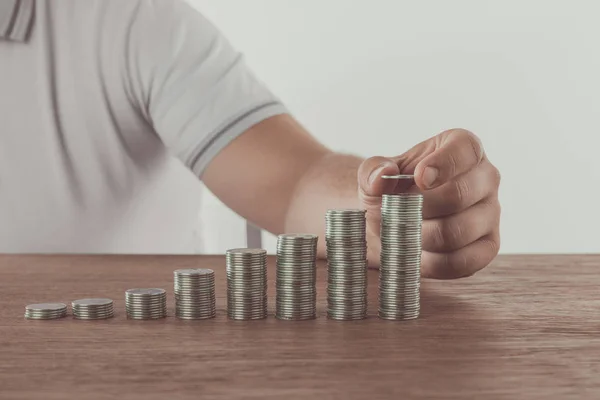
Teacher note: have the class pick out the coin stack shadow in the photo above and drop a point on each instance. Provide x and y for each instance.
(246, 284)
(92, 309)
(400, 269)
(194, 293)
(146, 303)
(345, 237)
(296, 292)
(46, 311)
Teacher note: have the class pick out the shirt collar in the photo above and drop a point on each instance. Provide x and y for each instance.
(16, 17)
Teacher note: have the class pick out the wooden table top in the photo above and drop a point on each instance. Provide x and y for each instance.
(527, 327)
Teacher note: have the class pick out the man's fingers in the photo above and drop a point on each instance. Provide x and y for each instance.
(462, 192)
(459, 230)
(457, 152)
(461, 263)
(369, 177)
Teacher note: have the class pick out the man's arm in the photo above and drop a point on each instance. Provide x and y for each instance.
(280, 178)
(225, 125)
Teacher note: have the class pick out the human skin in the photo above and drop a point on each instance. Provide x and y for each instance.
(280, 178)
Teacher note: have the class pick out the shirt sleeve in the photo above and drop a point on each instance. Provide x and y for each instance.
(198, 93)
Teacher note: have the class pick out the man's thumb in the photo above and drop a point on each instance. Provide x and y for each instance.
(369, 176)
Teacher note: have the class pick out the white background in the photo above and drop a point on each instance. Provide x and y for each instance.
(375, 77)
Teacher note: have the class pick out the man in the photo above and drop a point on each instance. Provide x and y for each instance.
(98, 97)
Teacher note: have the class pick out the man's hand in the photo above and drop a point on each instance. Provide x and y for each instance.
(282, 179)
(461, 212)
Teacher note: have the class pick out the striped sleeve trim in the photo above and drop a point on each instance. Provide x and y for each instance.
(225, 135)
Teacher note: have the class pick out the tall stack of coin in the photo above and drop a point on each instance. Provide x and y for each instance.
(92, 308)
(46, 311)
(400, 270)
(345, 237)
(194, 293)
(246, 284)
(146, 303)
(296, 297)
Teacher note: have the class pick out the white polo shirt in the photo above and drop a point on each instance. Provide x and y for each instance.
(106, 106)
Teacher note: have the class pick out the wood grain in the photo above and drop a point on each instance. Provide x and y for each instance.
(525, 328)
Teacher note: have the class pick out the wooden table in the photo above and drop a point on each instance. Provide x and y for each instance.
(528, 327)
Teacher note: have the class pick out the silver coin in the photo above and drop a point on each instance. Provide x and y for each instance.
(401, 176)
(146, 303)
(401, 241)
(94, 302)
(190, 272)
(298, 236)
(45, 316)
(94, 312)
(46, 307)
(146, 317)
(29, 312)
(194, 292)
(245, 251)
(94, 316)
(297, 318)
(195, 317)
(246, 271)
(296, 277)
(146, 292)
(346, 246)
(246, 317)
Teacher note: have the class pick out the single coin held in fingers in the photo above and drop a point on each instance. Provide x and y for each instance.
(398, 177)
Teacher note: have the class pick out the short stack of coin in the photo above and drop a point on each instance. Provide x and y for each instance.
(146, 303)
(345, 237)
(246, 284)
(194, 293)
(92, 309)
(46, 311)
(296, 296)
(400, 270)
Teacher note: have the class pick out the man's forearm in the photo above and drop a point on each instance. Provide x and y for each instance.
(329, 183)
(282, 179)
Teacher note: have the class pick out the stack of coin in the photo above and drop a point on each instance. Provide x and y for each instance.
(345, 237)
(246, 284)
(92, 308)
(46, 311)
(400, 270)
(146, 303)
(296, 297)
(195, 293)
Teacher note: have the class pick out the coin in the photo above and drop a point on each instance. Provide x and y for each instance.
(345, 238)
(398, 176)
(296, 277)
(246, 271)
(400, 260)
(45, 311)
(146, 304)
(92, 309)
(194, 292)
